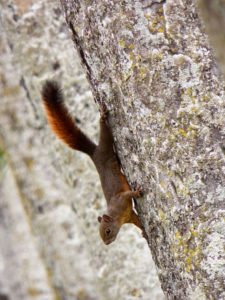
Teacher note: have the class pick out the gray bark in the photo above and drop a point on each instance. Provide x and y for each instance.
(50, 196)
(151, 63)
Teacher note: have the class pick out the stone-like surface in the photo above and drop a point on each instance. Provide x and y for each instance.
(150, 62)
(59, 189)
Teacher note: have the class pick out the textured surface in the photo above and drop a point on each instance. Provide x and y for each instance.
(51, 196)
(151, 63)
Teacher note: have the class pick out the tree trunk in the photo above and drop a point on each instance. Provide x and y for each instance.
(150, 62)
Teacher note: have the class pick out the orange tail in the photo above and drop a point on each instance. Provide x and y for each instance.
(61, 122)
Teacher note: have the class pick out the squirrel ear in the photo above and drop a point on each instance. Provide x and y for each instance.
(107, 218)
(99, 219)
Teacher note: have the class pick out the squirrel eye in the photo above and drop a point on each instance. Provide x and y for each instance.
(107, 231)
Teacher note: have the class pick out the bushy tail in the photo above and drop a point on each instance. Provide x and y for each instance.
(61, 122)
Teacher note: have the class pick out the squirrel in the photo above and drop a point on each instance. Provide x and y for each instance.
(115, 187)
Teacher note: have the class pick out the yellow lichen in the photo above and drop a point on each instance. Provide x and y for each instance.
(205, 98)
(157, 56)
(184, 191)
(160, 29)
(189, 92)
(157, 25)
(187, 248)
(162, 215)
(182, 132)
(172, 138)
(195, 109)
(131, 46)
(168, 195)
(143, 72)
(180, 61)
(122, 44)
(131, 56)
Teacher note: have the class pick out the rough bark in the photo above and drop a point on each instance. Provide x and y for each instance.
(50, 196)
(151, 63)
(213, 13)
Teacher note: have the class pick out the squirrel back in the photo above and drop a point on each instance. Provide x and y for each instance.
(61, 122)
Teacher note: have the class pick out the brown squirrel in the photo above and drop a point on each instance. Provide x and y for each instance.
(114, 184)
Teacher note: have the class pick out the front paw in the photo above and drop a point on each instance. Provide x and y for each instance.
(138, 190)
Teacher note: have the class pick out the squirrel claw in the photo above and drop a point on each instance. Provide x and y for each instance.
(138, 190)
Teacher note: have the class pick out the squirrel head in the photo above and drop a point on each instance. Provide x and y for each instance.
(108, 229)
